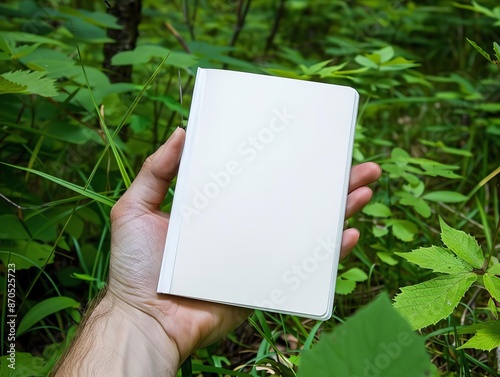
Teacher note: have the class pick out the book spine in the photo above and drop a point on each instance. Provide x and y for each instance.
(176, 220)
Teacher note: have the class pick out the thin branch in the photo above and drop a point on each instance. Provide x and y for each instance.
(241, 14)
(177, 36)
(280, 12)
(189, 24)
(240, 21)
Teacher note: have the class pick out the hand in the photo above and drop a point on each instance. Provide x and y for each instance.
(138, 239)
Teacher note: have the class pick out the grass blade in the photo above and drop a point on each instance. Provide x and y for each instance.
(81, 190)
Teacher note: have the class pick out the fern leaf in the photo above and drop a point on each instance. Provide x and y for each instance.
(427, 303)
(27, 82)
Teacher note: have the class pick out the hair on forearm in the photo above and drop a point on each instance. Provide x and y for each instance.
(83, 343)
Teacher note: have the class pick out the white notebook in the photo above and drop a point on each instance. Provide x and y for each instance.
(259, 204)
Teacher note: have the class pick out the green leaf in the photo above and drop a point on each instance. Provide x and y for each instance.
(7, 86)
(398, 64)
(27, 254)
(463, 245)
(366, 61)
(437, 259)
(404, 230)
(445, 197)
(376, 341)
(377, 210)
(387, 258)
(427, 303)
(418, 204)
(344, 287)
(26, 365)
(492, 284)
(493, 307)
(12, 228)
(80, 190)
(379, 231)
(43, 309)
(385, 54)
(486, 338)
(355, 274)
(481, 51)
(315, 68)
(143, 54)
(33, 83)
(494, 269)
(496, 48)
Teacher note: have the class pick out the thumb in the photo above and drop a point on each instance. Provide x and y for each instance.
(151, 184)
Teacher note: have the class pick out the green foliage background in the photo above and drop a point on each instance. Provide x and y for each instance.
(429, 114)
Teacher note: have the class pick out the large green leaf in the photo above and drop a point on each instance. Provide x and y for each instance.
(376, 341)
(427, 303)
(437, 259)
(43, 309)
(463, 245)
(30, 82)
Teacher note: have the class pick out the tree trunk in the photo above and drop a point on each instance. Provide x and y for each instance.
(128, 13)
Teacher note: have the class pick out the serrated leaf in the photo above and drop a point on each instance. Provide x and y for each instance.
(492, 284)
(462, 244)
(486, 338)
(359, 348)
(343, 286)
(437, 259)
(33, 82)
(377, 210)
(429, 302)
(7, 86)
(445, 197)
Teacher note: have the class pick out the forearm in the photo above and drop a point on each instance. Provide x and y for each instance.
(120, 342)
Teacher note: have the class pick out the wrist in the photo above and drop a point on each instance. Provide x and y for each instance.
(119, 340)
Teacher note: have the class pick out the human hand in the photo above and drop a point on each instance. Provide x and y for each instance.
(175, 325)
(138, 231)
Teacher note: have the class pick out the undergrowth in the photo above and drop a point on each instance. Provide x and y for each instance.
(73, 138)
